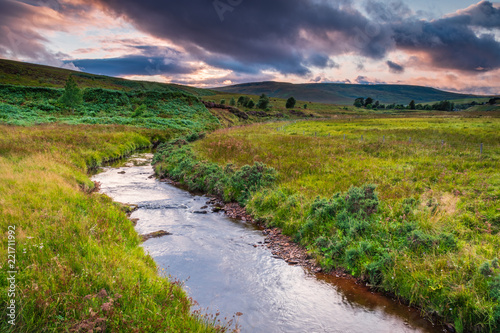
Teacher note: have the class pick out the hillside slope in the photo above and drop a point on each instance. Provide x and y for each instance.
(345, 94)
(32, 75)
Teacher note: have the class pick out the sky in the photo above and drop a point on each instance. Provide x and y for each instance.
(450, 45)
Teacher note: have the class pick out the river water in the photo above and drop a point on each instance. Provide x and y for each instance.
(224, 273)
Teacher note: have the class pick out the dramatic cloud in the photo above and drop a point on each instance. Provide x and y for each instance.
(395, 68)
(283, 35)
(204, 42)
(292, 36)
(484, 14)
(19, 33)
(452, 42)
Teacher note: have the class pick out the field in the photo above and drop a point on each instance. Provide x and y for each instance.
(427, 232)
(78, 261)
(430, 231)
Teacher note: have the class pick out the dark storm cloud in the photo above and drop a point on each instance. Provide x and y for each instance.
(287, 36)
(395, 68)
(291, 36)
(450, 43)
(261, 34)
(132, 65)
(321, 61)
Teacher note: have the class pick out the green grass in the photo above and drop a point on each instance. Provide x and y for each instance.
(20, 105)
(436, 217)
(278, 111)
(78, 261)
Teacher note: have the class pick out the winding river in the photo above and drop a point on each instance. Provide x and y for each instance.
(221, 269)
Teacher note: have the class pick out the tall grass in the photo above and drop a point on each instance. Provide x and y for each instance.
(437, 220)
(78, 261)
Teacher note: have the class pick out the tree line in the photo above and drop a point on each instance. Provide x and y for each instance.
(264, 103)
(370, 104)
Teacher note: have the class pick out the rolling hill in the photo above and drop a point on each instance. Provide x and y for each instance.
(32, 75)
(345, 94)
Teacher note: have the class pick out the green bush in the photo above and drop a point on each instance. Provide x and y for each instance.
(175, 159)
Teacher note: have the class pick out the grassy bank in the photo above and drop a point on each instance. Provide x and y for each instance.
(429, 232)
(78, 261)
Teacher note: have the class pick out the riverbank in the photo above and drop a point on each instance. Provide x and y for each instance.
(416, 242)
(229, 271)
(76, 261)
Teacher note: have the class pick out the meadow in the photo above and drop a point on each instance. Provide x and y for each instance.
(79, 264)
(410, 205)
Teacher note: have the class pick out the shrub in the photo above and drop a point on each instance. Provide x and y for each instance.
(290, 103)
(485, 269)
(362, 200)
(72, 96)
(263, 102)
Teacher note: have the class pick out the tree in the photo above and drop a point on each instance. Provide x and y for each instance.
(250, 104)
(290, 103)
(412, 105)
(443, 106)
(232, 102)
(72, 95)
(359, 102)
(305, 106)
(263, 102)
(368, 100)
(222, 101)
(241, 100)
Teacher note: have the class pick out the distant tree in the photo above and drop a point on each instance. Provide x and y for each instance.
(359, 102)
(222, 101)
(232, 102)
(368, 100)
(390, 106)
(377, 104)
(369, 106)
(290, 103)
(263, 102)
(305, 106)
(72, 95)
(381, 106)
(241, 100)
(412, 105)
(492, 101)
(419, 107)
(443, 106)
(250, 104)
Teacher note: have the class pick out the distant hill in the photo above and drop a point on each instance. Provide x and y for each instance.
(32, 75)
(345, 94)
